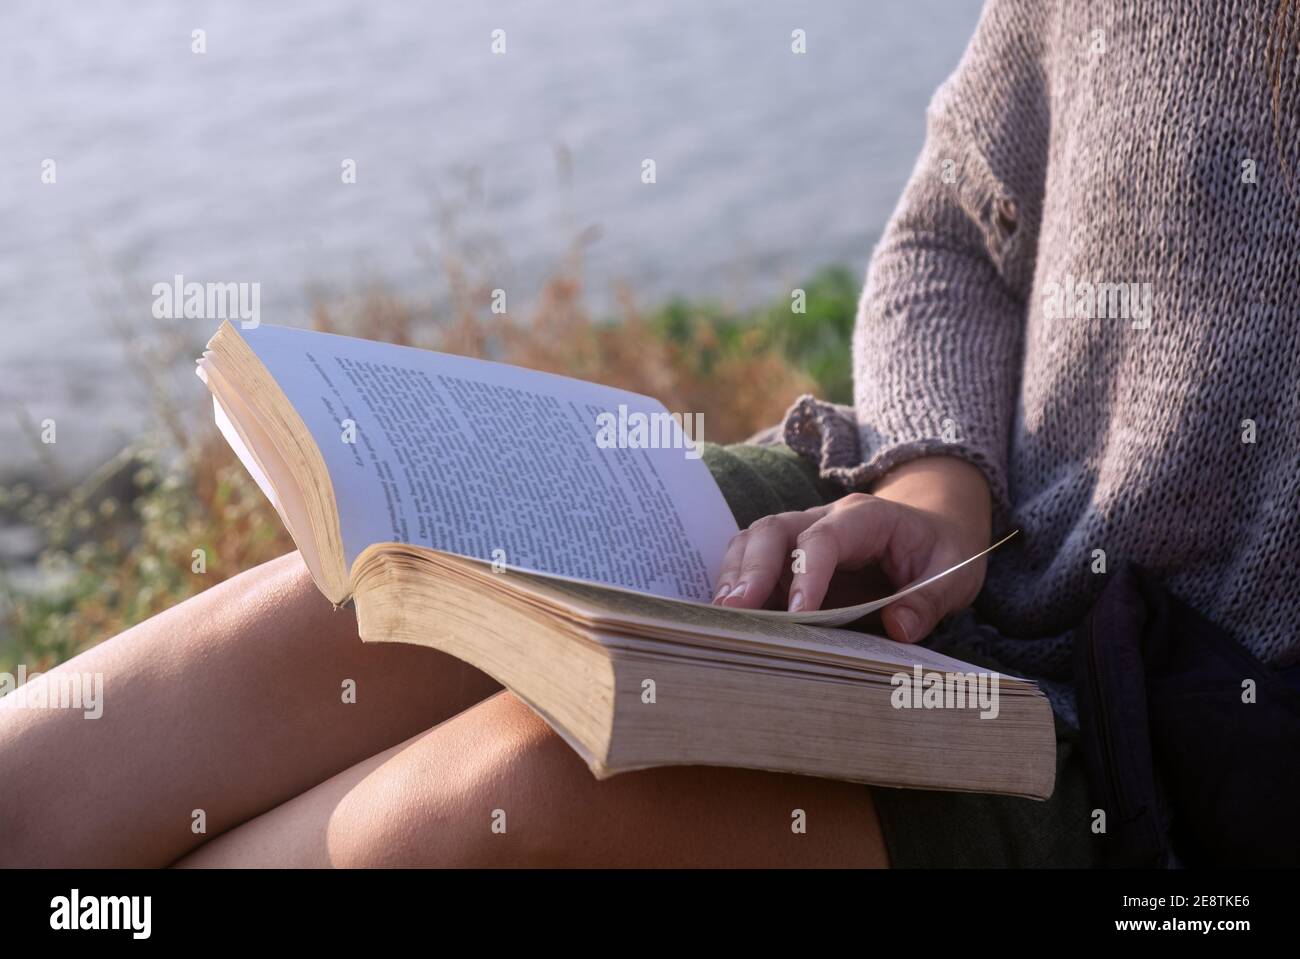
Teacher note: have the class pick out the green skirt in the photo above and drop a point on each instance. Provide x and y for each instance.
(924, 828)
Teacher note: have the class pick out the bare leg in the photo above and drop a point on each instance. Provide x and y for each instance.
(433, 800)
(230, 703)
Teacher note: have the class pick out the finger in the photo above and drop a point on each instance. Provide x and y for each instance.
(730, 571)
(766, 549)
(857, 531)
(910, 620)
(817, 556)
(915, 616)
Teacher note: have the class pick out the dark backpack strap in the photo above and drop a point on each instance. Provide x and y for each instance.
(1225, 735)
(1113, 726)
(1190, 739)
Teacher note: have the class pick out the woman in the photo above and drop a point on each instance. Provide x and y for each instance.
(1079, 322)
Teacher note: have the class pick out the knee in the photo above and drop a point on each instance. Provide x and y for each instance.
(498, 791)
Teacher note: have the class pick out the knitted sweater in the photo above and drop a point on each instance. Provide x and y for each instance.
(1091, 290)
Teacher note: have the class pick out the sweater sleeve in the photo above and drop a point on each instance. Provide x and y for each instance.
(940, 323)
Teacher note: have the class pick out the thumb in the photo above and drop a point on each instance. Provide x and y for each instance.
(913, 618)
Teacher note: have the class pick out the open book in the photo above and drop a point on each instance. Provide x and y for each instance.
(564, 538)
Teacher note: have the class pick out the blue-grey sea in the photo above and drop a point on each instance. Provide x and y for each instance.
(226, 165)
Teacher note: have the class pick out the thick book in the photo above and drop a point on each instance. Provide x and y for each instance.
(564, 537)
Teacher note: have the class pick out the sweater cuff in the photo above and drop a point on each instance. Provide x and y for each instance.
(854, 455)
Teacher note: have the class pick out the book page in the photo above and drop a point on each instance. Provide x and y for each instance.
(709, 624)
(503, 464)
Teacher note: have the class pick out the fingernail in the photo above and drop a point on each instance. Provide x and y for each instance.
(738, 590)
(908, 623)
(723, 590)
(796, 601)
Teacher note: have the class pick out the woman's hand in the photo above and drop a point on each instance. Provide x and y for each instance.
(920, 518)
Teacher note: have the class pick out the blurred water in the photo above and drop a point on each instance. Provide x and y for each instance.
(225, 166)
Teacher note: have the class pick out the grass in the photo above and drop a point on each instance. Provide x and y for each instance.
(119, 546)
